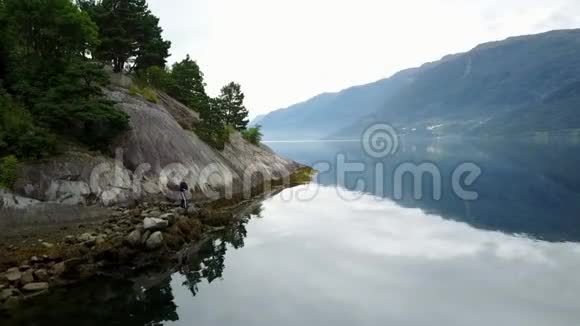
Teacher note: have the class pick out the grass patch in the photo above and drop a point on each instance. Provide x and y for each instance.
(215, 137)
(147, 92)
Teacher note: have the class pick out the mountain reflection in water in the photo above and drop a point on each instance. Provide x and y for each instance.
(509, 258)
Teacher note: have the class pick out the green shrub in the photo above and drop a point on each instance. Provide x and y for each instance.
(156, 77)
(215, 137)
(302, 175)
(37, 143)
(18, 134)
(147, 92)
(8, 171)
(252, 135)
(134, 90)
(78, 109)
(228, 132)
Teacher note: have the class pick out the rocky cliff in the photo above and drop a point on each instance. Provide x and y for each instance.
(160, 150)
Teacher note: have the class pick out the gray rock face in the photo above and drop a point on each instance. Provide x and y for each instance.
(73, 178)
(155, 241)
(181, 113)
(157, 151)
(11, 201)
(155, 224)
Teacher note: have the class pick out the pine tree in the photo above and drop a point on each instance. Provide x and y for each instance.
(129, 32)
(76, 104)
(188, 86)
(231, 106)
(153, 49)
(49, 32)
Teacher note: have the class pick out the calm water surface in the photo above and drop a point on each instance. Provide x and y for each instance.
(338, 253)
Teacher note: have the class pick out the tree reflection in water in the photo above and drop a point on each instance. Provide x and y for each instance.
(209, 262)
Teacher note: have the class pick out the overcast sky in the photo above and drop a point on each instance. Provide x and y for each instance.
(283, 52)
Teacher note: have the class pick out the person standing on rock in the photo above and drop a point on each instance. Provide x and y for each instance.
(183, 187)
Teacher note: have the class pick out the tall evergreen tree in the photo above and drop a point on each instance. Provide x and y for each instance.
(231, 106)
(188, 86)
(153, 49)
(129, 32)
(52, 29)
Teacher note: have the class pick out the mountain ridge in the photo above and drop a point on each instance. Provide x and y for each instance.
(519, 85)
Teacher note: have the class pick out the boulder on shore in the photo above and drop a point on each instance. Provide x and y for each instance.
(27, 277)
(87, 239)
(133, 239)
(155, 241)
(33, 287)
(13, 274)
(41, 274)
(155, 224)
(7, 293)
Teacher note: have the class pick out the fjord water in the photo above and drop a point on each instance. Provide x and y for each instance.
(342, 252)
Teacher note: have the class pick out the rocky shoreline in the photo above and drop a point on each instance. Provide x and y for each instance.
(122, 245)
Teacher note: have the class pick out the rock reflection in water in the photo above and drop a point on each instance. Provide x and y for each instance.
(121, 302)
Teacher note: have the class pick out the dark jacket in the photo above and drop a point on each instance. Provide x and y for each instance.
(183, 186)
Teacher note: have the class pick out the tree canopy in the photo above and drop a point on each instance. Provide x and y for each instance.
(46, 50)
(52, 54)
(231, 106)
(220, 116)
(130, 33)
(187, 85)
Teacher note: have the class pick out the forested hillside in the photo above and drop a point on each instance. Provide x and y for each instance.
(55, 60)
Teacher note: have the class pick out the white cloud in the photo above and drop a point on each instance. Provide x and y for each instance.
(283, 52)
